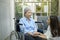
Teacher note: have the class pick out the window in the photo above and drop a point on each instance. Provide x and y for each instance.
(38, 7)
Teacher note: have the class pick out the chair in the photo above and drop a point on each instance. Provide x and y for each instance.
(39, 29)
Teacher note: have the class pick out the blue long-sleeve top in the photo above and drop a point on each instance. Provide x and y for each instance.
(28, 25)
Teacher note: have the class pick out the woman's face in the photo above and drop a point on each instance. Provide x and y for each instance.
(48, 21)
(28, 14)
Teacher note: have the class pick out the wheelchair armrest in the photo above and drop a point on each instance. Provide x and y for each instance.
(38, 22)
(40, 30)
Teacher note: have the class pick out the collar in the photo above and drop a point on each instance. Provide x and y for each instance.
(28, 19)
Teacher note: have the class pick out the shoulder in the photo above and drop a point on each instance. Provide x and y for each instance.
(22, 19)
(32, 19)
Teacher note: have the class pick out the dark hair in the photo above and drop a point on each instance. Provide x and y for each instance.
(54, 25)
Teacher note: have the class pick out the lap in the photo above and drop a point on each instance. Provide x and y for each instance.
(29, 37)
(37, 38)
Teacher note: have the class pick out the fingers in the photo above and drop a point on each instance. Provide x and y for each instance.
(36, 33)
(42, 36)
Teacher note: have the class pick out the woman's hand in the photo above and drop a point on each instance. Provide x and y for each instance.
(30, 33)
(42, 36)
(36, 33)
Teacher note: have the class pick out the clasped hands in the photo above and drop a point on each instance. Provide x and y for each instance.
(35, 34)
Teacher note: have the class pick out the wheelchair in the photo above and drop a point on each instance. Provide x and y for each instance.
(20, 35)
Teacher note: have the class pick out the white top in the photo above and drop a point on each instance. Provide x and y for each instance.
(48, 33)
(55, 38)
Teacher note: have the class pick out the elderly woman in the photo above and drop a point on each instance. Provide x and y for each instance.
(30, 29)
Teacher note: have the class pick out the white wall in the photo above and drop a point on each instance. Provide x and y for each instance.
(6, 18)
